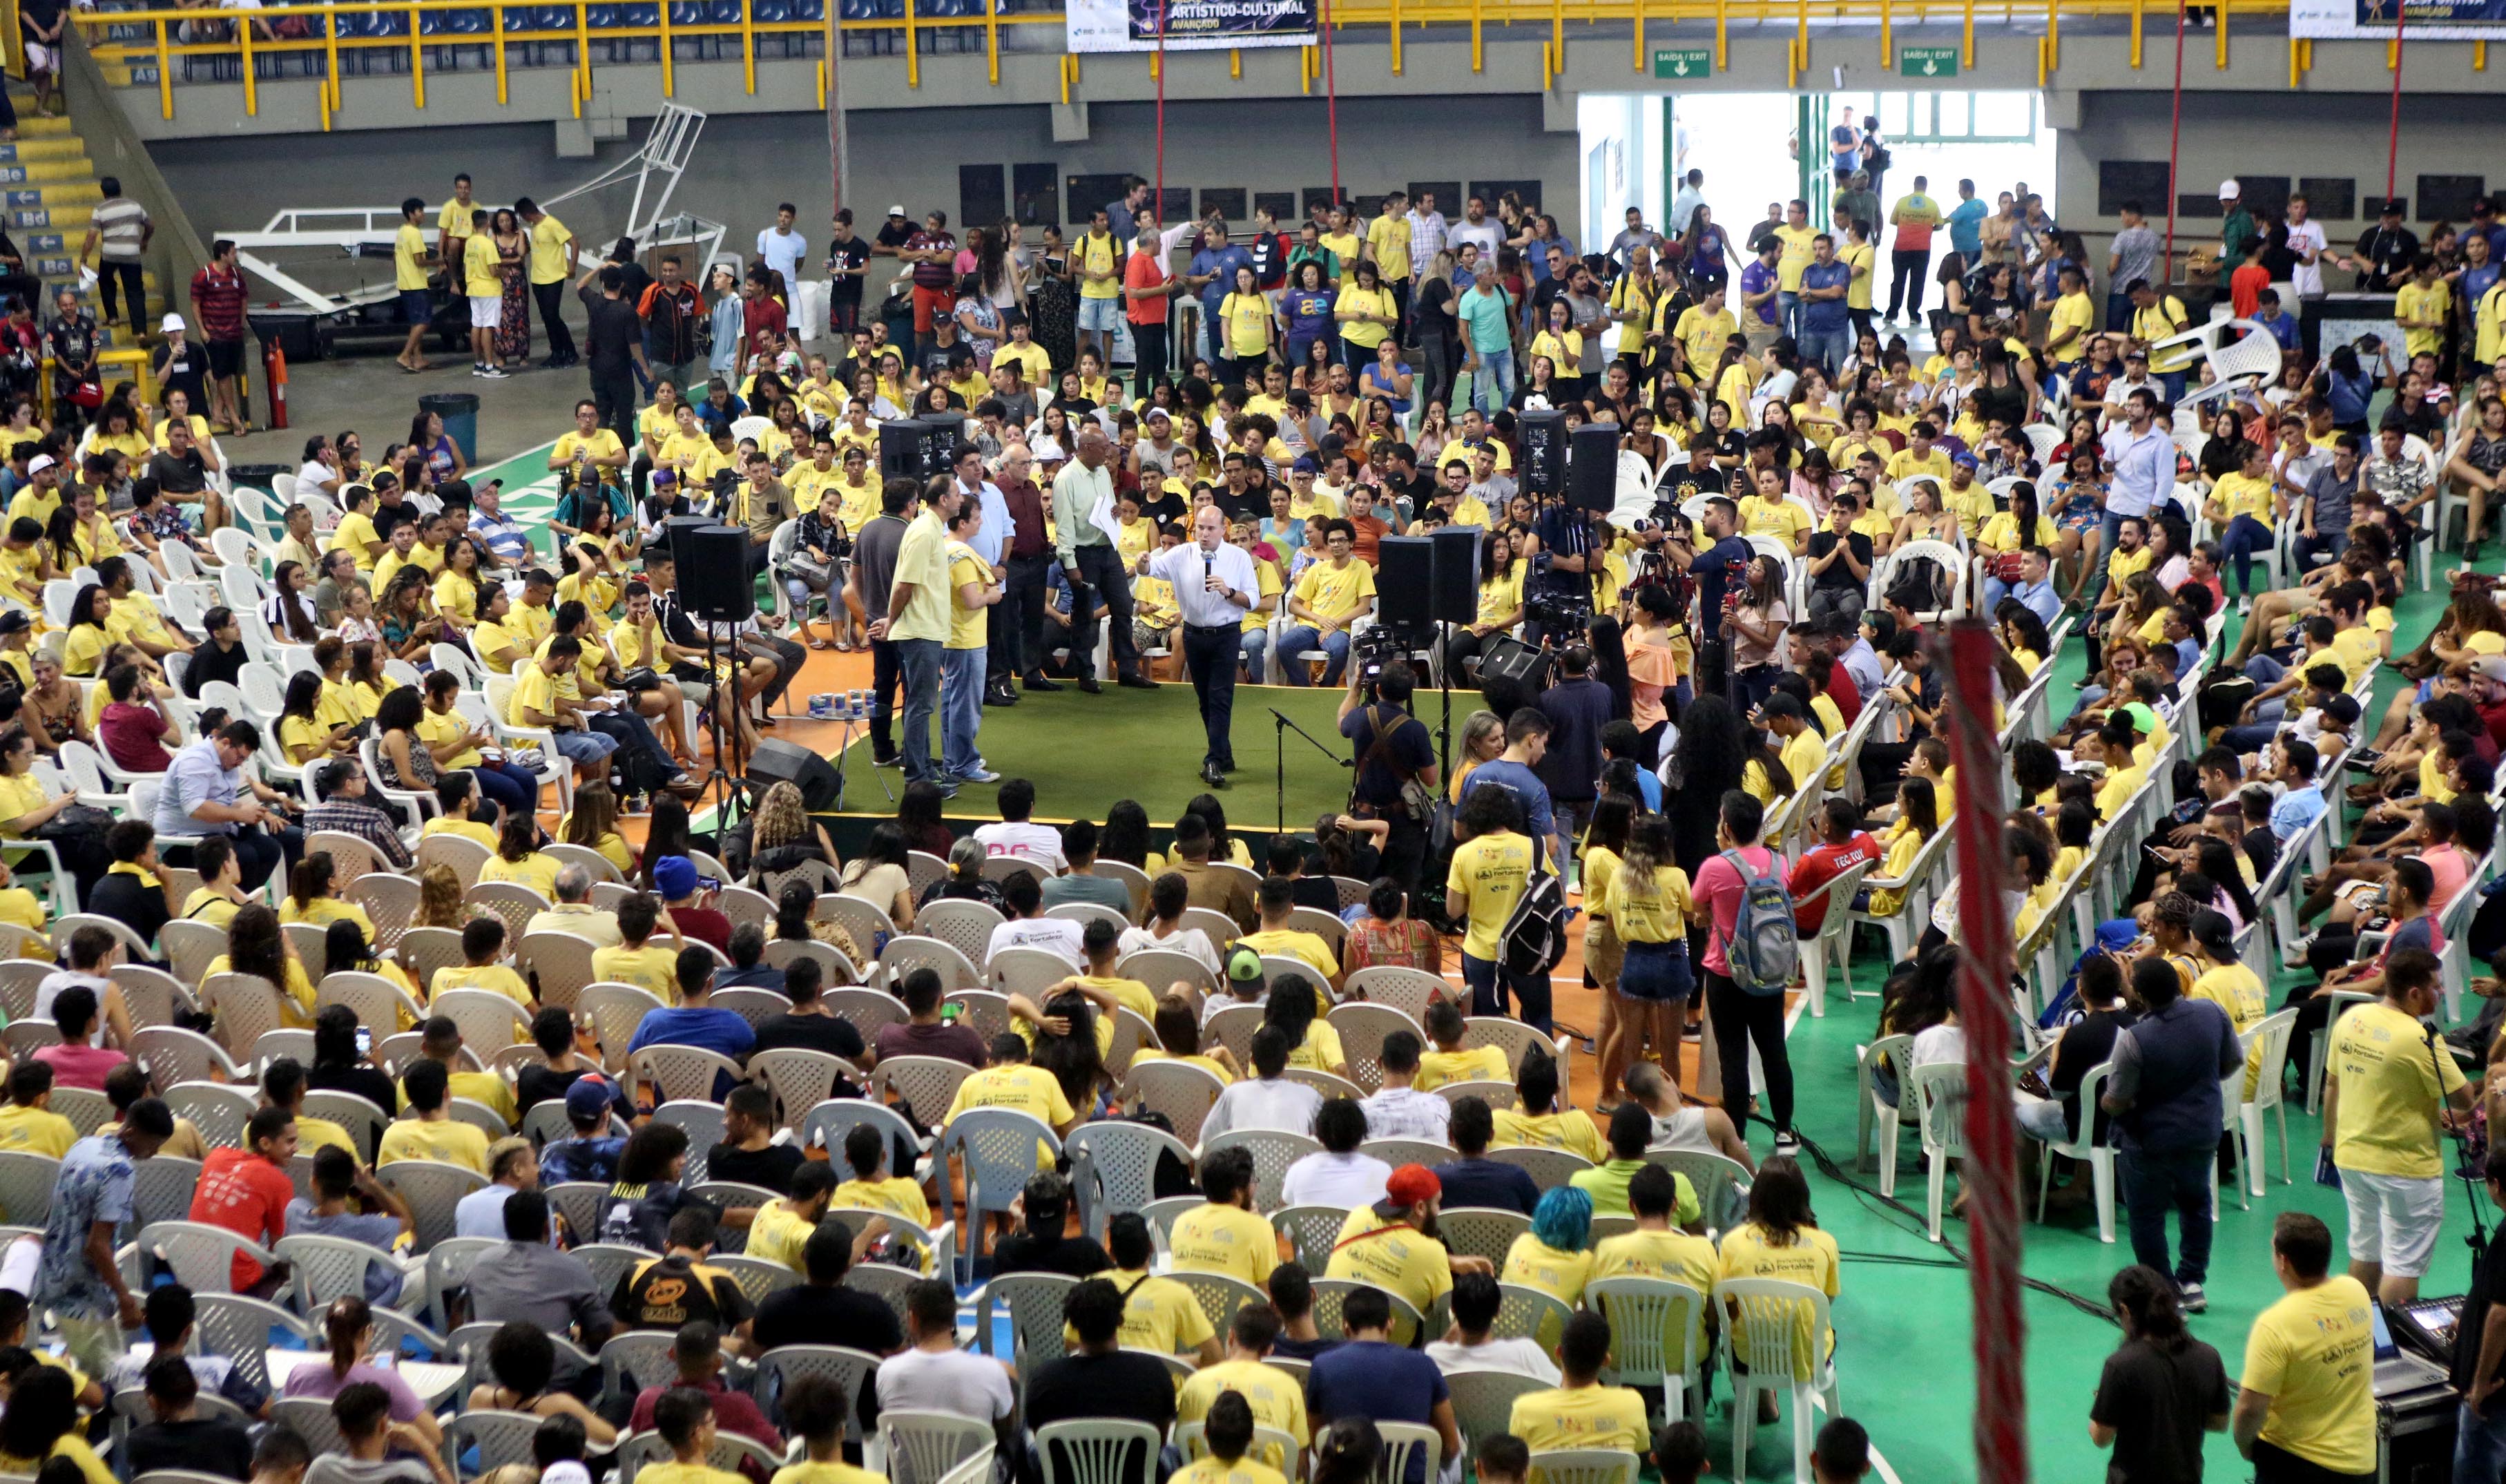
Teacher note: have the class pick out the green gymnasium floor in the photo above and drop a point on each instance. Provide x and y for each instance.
(1904, 1353)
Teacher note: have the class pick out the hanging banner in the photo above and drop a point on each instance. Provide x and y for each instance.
(1190, 25)
(2418, 20)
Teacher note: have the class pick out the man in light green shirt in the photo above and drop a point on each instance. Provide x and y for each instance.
(1630, 1133)
(1082, 496)
(917, 624)
(1915, 216)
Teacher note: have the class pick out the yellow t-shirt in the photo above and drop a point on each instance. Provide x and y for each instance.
(482, 277)
(1023, 1088)
(446, 1141)
(1393, 1257)
(1704, 335)
(548, 239)
(1581, 1417)
(1798, 243)
(2313, 1355)
(495, 977)
(28, 1129)
(467, 829)
(1225, 1239)
(443, 729)
(295, 1003)
(1335, 592)
(700, 1473)
(1158, 1314)
(2390, 1093)
(1480, 1064)
(1660, 916)
(2423, 300)
(1810, 1259)
(1210, 1471)
(83, 650)
(1487, 876)
(1389, 237)
(653, 967)
(1572, 1131)
(1859, 257)
(896, 1196)
(206, 906)
(1535, 1265)
(2001, 532)
(534, 690)
(323, 910)
(1289, 943)
(1274, 1397)
(1565, 349)
(1502, 599)
(831, 1471)
(1667, 1253)
(409, 258)
(1246, 318)
(966, 624)
(355, 535)
(537, 871)
(1780, 518)
(1095, 253)
(2241, 494)
(2073, 310)
(1366, 334)
(777, 1235)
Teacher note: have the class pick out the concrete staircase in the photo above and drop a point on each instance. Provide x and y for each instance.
(49, 190)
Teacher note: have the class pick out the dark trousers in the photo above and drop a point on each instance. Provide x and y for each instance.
(1210, 656)
(1404, 851)
(1021, 613)
(118, 281)
(561, 340)
(1740, 1018)
(614, 395)
(2154, 1180)
(1906, 273)
(1148, 353)
(1436, 371)
(1100, 574)
(787, 656)
(918, 665)
(2275, 1464)
(1489, 981)
(883, 675)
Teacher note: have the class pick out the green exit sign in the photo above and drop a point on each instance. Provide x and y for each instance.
(1927, 61)
(1683, 61)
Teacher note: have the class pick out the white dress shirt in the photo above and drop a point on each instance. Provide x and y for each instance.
(2144, 468)
(1345, 1181)
(1186, 567)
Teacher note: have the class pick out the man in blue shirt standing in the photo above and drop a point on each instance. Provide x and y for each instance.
(2165, 1097)
(2284, 327)
(1515, 769)
(1966, 227)
(1212, 278)
(1761, 282)
(1487, 342)
(1827, 332)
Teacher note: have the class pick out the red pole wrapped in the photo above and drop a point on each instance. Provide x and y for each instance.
(1991, 1172)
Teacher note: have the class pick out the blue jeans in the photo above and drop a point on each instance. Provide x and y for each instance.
(2154, 1180)
(1297, 638)
(584, 747)
(2480, 1446)
(1788, 311)
(1493, 384)
(1827, 350)
(2108, 530)
(919, 666)
(1489, 982)
(2243, 537)
(2325, 546)
(962, 709)
(1995, 591)
(2266, 672)
(1255, 646)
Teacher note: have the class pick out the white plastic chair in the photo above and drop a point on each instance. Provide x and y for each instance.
(1761, 1332)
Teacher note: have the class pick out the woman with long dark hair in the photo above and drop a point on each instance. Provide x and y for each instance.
(881, 876)
(1126, 835)
(918, 818)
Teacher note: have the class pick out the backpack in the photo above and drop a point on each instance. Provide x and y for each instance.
(1765, 948)
(1534, 939)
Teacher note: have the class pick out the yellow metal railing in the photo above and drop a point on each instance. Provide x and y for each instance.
(163, 48)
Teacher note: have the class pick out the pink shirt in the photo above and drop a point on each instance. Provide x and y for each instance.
(81, 1065)
(2446, 864)
(1720, 888)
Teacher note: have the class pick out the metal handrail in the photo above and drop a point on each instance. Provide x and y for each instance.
(1552, 16)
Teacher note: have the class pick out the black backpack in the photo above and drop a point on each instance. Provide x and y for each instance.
(1534, 939)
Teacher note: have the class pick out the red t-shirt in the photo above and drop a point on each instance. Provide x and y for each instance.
(1816, 869)
(247, 1195)
(131, 736)
(760, 316)
(1842, 690)
(2246, 289)
(1720, 888)
(1145, 271)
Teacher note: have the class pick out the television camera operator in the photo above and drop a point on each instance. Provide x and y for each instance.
(1565, 552)
(1717, 557)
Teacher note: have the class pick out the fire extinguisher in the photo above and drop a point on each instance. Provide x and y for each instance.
(273, 364)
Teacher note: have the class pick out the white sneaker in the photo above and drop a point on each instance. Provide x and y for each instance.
(2244, 607)
(2294, 955)
(2190, 1298)
(492, 373)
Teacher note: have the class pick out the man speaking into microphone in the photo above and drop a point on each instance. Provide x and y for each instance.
(1215, 584)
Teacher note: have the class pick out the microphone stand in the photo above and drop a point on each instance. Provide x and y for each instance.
(2473, 1185)
(1281, 727)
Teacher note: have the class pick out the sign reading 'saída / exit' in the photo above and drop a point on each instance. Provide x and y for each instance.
(1683, 62)
(1927, 61)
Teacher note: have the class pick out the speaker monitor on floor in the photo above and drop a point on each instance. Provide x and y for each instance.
(714, 582)
(1593, 475)
(1540, 440)
(1405, 579)
(782, 762)
(1457, 574)
(1511, 674)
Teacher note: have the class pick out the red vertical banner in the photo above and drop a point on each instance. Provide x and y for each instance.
(1990, 1176)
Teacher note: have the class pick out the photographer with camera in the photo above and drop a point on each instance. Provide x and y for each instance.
(1721, 570)
(1396, 764)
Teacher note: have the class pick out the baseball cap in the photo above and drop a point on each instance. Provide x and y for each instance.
(2344, 708)
(1962, 459)
(1245, 967)
(2229, 191)
(39, 464)
(587, 1099)
(1305, 464)
(14, 621)
(896, 210)
(1413, 1183)
(1159, 415)
(170, 323)
(2211, 930)
(2494, 668)
(675, 877)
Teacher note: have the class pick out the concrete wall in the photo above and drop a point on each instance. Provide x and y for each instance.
(745, 164)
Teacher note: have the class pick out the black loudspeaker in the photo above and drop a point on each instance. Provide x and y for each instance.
(918, 448)
(1511, 674)
(714, 585)
(780, 762)
(1593, 475)
(1404, 578)
(1457, 575)
(1540, 452)
(675, 535)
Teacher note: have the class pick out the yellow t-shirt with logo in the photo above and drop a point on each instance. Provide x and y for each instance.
(2313, 1355)
(355, 535)
(1809, 1258)
(1393, 1257)
(548, 236)
(1667, 1253)
(1488, 876)
(448, 1142)
(1335, 592)
(2390, 1093)
(1275, 1399)
(1797, 245)
(2423, 300)
(1704, 335)
(1225, 1239)
(26, 1129)
(967, 623)
(653, 967)
(2239, 494)
(1535, 1265)
(409, 258)
(2073, 310)
(495, 977)
(1581, 1417)
(537, 871)
(1212, 1470)
(1023, 1088)
(779, 1235)
(1158, 1315)
(1572, 1131)
(1480, 1064)
(1389, 237)
(1095, 254)
(1779, 518)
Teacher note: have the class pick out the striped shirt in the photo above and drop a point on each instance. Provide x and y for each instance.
(1427, 236)
(120, 223)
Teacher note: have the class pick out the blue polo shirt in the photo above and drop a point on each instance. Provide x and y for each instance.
(1825, 313)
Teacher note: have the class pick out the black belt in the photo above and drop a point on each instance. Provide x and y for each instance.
(1213, 629)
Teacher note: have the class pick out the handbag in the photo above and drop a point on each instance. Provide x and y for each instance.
(641, 678)
(809, 570)
(75, 820)
(2009, 567)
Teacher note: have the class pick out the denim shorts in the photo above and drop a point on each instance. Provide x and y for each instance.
(1657, 973)
(1099, 313)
